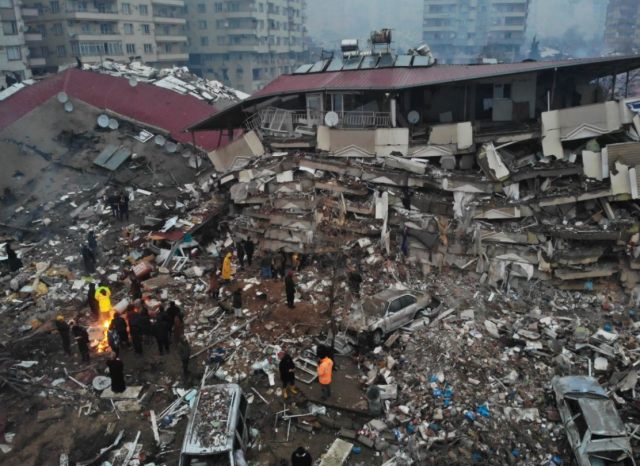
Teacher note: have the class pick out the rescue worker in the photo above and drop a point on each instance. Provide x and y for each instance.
(116, 373)
(145, 323)
(325, 372)
(82, 338)
(297, 261)
(301, 457)
(226, 267)
(355, 281)
(178, 328)
(173, 312)
(237, 303)
(265, 265)
(123, 206)
(15, 263)
(114, 204)
(113, 338)
(240, 251)
(184, 351)
(89, 259)
(135, 289)
(405, 240)
(92, 301)
(161, 332)
(287, 374)
(278, 265)
(214, 285)
(93, 243)
(249, 248)
(290, 289)
(135, 328)
(63, 329)
(121, 327)
(103, 295)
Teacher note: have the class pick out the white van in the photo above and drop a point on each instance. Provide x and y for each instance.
(217, 427)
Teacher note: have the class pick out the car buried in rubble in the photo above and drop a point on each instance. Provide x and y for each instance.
(597, 435)
(375, 316)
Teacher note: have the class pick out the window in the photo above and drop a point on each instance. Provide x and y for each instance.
(204, 41)
(221, 40)
(13, 53)
(44, 52)
(126, 8)
(202, 24)
(146, 29)
(148, 48)
(62, 52)
(85, 27)
(42, 29)
(261, 7)
(202, 8)
(218, 6)
(39, 7)
(234, 6)
(220, 24)
(95, 48)
(6, 4)
(57, 29)
(131, 48)
(225, 74)
(168, 48)
(256, 73)
(55, 7)
(166, 30)
(9, 28)
(395, 306)
(128, 28)
(185, 10)
(225, 57)
(69, 23)
(144, 10)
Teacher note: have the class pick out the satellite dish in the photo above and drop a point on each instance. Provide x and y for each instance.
(103, 121)
(413, 117)
(62, 97)
(187, 154)
(101, 382)
(68, 107)
(160, 140)
(332, 119)
(113, 124)
(171, 147)
(133, 82)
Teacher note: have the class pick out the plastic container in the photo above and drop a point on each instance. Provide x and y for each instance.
(483, 411)
(469, 415)
(437, 393)
(357, 450)
(448, 393)
(373, 397)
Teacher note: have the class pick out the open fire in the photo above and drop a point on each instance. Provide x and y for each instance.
(103, 344)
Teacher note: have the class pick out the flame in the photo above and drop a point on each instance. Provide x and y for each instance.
(104, 343)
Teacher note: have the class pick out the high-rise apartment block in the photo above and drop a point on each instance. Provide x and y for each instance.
(622, 31)
(461, 31)
(123, 30)
(245, 44)
(15, 62)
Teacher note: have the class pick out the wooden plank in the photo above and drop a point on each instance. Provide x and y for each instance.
(50, 414)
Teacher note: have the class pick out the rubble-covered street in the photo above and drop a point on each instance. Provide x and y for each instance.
(458, 272)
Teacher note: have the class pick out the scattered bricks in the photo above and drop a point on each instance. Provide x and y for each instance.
(341, 423)
(381, 445)
(305, 427)
(366, 441)
(347, 433)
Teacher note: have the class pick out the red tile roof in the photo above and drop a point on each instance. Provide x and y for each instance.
(146, 103)
(396, 78)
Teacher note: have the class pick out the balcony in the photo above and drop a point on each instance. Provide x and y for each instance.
(240, 31)
(170, 38)
(177, 3)
(160, 17)
(28, 12)
(32, 37)
(36, 62)
(173, 56)
(97, 36)
(85, 11)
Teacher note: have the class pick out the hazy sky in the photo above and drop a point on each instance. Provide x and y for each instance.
(332, 20)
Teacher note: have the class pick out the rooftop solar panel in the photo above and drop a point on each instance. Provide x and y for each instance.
(421, 61)
(335, 65)
(303, 69)
(369, 62)
(352, 63)
(318, 66)
(386, 61)
(403, 60)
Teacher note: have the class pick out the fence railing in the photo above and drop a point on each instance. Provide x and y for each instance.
(285, 121)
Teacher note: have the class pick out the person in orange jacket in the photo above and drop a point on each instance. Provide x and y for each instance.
(325, 371)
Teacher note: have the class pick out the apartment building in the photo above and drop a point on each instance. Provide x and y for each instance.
(245, 44)
(122, 30)
(622, 30)
(15, 62)
(460, 31)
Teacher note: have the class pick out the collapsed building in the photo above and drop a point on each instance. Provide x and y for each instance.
(511, 173)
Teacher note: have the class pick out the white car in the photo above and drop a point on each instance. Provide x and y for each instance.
(380, 314)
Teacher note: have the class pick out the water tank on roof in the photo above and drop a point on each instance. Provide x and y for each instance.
(349, 45)
(381, 37)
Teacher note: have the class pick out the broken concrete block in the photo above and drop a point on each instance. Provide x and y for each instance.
(347, 433)
(366, 441)
(448, 162)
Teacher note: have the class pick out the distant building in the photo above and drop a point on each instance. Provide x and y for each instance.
(149, 30)
(15, 62)
(245, 44)
(461, 31)
(623, 20)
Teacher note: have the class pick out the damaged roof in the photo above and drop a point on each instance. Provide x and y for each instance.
(398, 78)
(150, 105)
